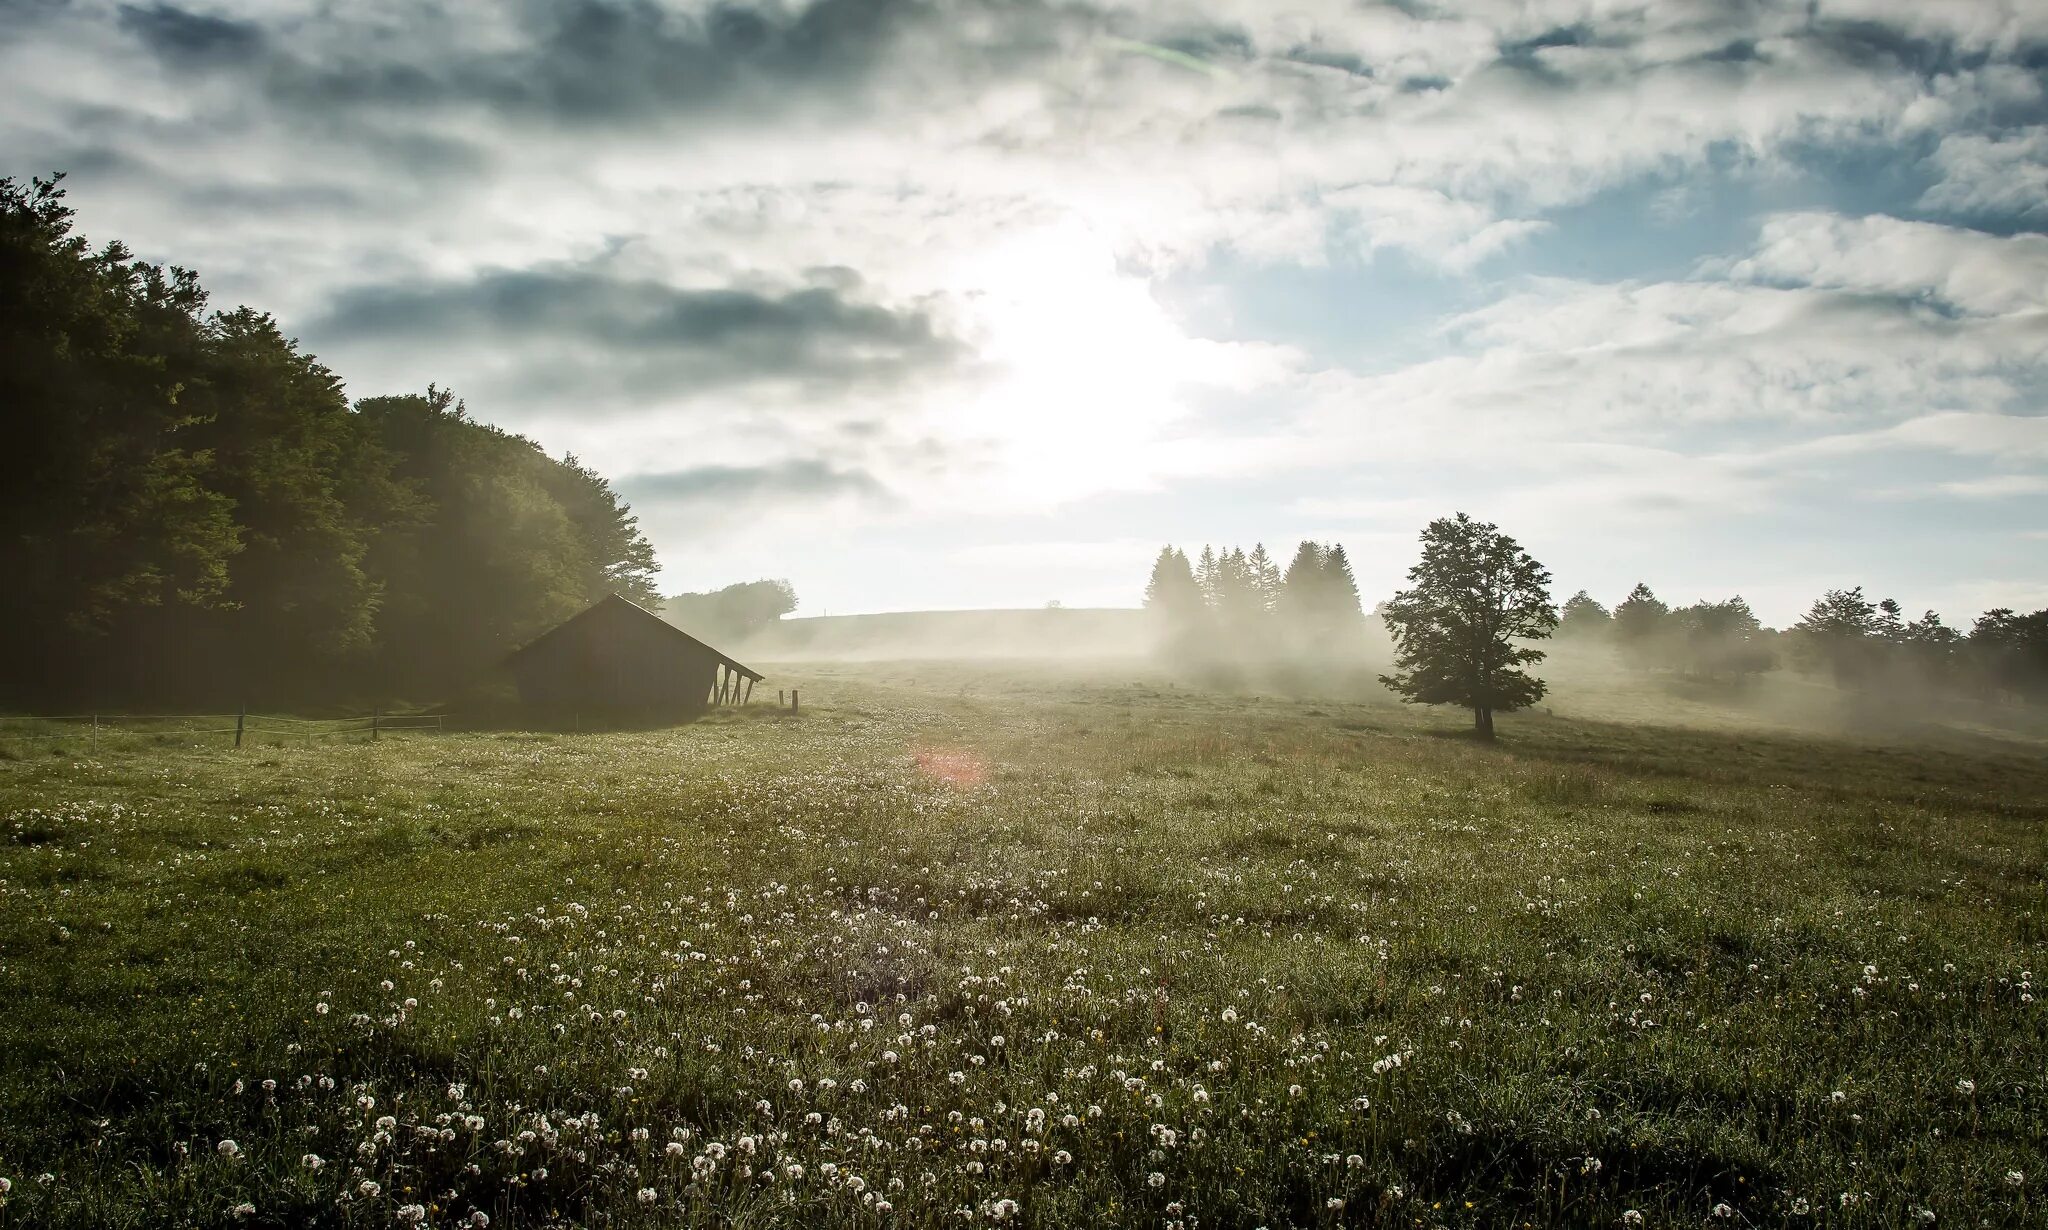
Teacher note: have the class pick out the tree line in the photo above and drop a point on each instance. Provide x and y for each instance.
(1464, 630)
(192, 511)
(1231, 608)
(732, 613)
(1857, 641)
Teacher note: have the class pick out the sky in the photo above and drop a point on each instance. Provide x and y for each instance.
(975, 303)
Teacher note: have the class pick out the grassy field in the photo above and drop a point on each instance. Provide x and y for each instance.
(964, 946)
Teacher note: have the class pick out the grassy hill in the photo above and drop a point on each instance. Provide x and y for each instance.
(954, 635)
(1052, 948)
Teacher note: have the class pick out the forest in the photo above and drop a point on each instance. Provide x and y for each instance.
(1228, 611)
(197, 513)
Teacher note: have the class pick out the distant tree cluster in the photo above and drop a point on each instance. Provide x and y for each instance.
(191, 511)
(1235, 607)
(1854, 640)
(733, 612)
(1722, 640)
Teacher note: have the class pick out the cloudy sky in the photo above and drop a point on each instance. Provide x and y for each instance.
(955, 303)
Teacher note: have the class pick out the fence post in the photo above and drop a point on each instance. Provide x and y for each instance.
(792, 700)
(241, 715)
(95, 733)
(376, 719)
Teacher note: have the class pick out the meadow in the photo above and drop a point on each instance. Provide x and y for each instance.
(968, 945)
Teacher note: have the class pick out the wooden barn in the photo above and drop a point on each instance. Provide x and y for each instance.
(619, 657)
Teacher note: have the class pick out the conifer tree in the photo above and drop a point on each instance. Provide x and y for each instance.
(1265, 576)
(1341, 609)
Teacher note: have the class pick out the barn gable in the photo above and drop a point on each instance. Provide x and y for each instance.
(620, 656)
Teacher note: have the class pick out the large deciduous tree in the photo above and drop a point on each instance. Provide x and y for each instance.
(1473, 598)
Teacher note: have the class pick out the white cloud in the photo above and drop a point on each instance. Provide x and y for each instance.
(1969, 270)
(1992, 174)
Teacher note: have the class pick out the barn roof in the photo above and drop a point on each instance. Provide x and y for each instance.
(616, 601)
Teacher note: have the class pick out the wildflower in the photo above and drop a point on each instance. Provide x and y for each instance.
(1155, 1180)
(1334, 1203)
(312, 1161)
(1966, 1087)
(479, 1219)
(1722, 1210)
(244, 1209)
(1800, 1207)
(2015, 1178)
(229, 1149)
(1631, 1217)
(1003, 1210)
(6, 1185)
(412, 1215)
(647, 1196)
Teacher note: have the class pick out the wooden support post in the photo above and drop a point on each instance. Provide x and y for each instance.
(781, 699)
(376, 720)
(750, 692)
(792, 700)
(96, 733)
(241, 716)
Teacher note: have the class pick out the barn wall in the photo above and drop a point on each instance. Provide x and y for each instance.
(615, 661)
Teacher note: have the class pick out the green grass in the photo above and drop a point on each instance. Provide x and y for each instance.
(1269, 956)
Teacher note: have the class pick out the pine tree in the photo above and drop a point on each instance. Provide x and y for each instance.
(1174, 599)
(1265, 576)
(1583, 616)
(1300, 598)
(1843, 633)
(1342, 611)
(1640, 626)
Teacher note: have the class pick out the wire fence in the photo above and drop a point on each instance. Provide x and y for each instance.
(233, 729)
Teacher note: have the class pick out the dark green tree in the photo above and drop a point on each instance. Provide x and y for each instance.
(1641, 627)
(1265, 576)
(106, 511)
(1719, 640)
(2008, 653)
(1844, 633)
(1458, 629)
(1583, 616)
(733, 612)
(1174, 600)
(1342, 610)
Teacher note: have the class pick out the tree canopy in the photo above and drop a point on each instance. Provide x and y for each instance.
(1472, 598)
(194, 512)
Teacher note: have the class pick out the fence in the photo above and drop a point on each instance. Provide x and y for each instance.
(97, 729)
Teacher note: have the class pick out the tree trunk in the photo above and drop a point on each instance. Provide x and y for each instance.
(1482, 722)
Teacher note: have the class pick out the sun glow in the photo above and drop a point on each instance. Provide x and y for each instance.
(1090, 373)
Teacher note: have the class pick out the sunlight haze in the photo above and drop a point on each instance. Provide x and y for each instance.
(1728, 298)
